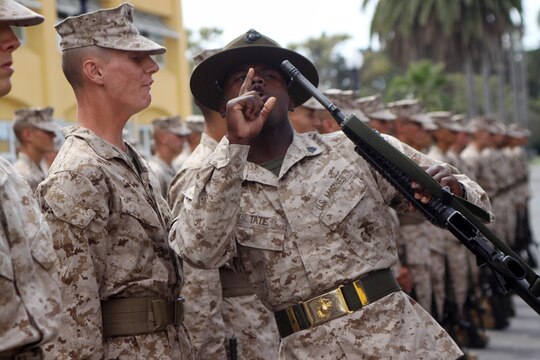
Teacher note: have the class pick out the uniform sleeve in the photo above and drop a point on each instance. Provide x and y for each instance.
(202, 288)
(203, 234)
(77, 214)
(474, 193)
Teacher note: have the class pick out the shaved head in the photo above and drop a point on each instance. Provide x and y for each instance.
(73, 60)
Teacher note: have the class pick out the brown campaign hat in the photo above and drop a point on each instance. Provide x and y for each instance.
(106, 28)
(374, 108)
(38, 117)
(15, 14)
(171, 124)
(251, 47)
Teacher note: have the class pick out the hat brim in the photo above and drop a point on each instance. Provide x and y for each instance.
(132, 43)
(206, 78)
(20, 15)
(382, 115)
(48, 126)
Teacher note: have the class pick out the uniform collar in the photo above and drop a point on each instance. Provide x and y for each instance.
(301, 146)
(101, 147)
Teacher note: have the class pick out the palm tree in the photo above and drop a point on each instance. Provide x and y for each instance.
(459, 33)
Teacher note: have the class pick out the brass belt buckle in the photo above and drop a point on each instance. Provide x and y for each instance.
(326, 307)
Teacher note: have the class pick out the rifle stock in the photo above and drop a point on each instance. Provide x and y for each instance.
(445, 210)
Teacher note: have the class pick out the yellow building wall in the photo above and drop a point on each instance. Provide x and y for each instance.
(38, 79)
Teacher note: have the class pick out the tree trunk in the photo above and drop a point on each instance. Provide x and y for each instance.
(486, 70)
(469, 86)
(501, 108)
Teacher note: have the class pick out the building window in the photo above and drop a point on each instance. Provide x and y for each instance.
(154, 28)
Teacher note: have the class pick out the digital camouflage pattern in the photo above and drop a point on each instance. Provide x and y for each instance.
(38, 117)
(28, 169)
(212, 320)
(110, 230)
(107, 28)
(30, 298)
(458, 255)
(323, 222)
(15, 14)
(164, 173)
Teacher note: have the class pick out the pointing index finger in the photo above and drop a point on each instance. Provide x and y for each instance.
(246, 85)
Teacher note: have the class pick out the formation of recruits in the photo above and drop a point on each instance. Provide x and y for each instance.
(265, 239)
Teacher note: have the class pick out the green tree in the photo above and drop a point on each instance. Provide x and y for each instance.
(201, 40)
(425, 81)
(460, 33)
(332, 67)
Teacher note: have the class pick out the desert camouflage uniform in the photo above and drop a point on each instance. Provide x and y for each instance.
(110, 227)
(413, 237)
(164, 173)
(29, 294)
(456, 253)
(323, 222)
(210, 318)
(30, 172)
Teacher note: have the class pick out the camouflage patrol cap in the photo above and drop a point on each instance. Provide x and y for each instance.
(460, 122)
(38, 117)
(15, 14)
(482, 122)
(443, 119)
(252, 47)
(171, 124)
(195, 123)
(373, 107)
(106, 28)
(345, 100)
(313, 104)
(412, 110)
(203, 55)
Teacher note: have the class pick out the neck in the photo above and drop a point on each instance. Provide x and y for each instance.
(32, 153)
(444, 146)
(104, 119)
(271, 143)
(165, 155)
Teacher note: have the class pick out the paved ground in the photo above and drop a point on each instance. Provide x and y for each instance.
(520, 341)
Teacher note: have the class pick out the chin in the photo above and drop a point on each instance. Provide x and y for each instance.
(5, 87)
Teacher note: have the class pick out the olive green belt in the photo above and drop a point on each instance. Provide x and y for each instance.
(128, 317)
(233, 284)
(29, 354)
(344, 300)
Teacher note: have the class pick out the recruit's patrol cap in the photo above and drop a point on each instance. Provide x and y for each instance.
(374, 108)
(443, 119)
(412, 110)
(345, 100)
(170, 124)
(38, 117)
(482, 122)
(313, 104)
(461, 122)
(15, 14)
(252, 47)
(106, 28)
(195, 123)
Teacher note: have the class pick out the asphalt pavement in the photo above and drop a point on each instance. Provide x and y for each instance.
(521, 340)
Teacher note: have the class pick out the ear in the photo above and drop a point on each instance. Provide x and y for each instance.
(292, 105)
(223, 109)
(92, 71)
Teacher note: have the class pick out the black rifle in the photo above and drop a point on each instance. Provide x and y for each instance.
(443, 210)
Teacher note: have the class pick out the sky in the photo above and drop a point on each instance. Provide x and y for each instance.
(290, 21)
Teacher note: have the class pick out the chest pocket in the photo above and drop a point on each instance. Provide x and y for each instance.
(260, 232)
(338, 199)
(140, 210)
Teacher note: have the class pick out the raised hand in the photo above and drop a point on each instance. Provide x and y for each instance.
(247, 113)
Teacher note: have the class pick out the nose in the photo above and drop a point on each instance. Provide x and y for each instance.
(151, 65)
(8, 41)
